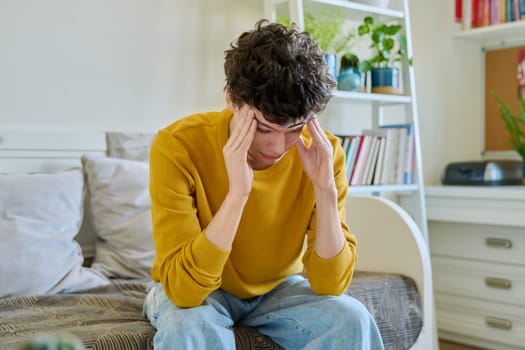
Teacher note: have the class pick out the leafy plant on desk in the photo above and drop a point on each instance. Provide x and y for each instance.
(515, 124)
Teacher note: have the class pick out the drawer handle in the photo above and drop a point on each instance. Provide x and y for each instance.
(498, 243)
(499, 323)
(498, 282)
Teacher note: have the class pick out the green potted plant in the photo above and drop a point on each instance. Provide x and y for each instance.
(349, 78)
(515, 125)
(327, 29)
(388, 46)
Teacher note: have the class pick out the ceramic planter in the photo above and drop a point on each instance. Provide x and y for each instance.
(349, 79)
(385, 81)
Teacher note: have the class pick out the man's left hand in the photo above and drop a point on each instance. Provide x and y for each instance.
(317, 158)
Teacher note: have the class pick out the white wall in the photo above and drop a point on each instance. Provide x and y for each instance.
(136, 65)
(131, 65)
(448, 83)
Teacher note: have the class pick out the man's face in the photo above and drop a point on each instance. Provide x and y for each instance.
(272, 141)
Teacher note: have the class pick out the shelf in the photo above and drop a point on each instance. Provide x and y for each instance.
(366, 9)
(355, 10)
(353, 190)
(371, 97)
(496, 34)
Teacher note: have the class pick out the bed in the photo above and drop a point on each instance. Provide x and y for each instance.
(96, 187)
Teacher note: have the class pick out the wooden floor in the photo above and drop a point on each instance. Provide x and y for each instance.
(446, 345)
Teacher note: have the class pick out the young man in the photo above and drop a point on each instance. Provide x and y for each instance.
(235, 193)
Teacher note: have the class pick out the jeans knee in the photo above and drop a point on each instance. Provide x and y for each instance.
(350, 311)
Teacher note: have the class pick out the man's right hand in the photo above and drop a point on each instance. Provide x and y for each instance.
(242, 131)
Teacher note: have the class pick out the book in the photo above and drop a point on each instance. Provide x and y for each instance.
(390, 156)
(476, 13)
(380, 162)
(355, 156)
(516, 12)
(495, 15)
(381, 135)
(509, 11)
(467, 14)
(352, 152)
(405, 153)
(370, 160)
(362, 157)
(503, 11)
(458, 11)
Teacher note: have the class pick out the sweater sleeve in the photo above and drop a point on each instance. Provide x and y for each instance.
(187, 264)
(332, 276)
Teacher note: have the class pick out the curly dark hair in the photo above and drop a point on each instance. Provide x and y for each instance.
(281, 72)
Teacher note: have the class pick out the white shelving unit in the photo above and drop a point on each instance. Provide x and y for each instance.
(501, 34)
(411, 197)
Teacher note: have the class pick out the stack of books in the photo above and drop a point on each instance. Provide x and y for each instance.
(481, 13)
(381, 156)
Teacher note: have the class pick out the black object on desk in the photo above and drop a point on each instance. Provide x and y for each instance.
(484, 173)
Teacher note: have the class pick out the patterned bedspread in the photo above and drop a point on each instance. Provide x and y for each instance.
(111, 317)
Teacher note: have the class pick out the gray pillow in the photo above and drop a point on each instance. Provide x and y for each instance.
(40, 214)
(121, 216)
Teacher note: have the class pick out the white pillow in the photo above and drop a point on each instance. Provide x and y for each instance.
(127, 145)
(121, 215)
(40, 214)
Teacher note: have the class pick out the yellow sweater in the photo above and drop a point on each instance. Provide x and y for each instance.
(188, 182)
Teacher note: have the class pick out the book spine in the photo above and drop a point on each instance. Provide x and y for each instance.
(522, 9)
(354, 145)
(503, 11)
(495, 16)
(516, 13)
(467, 14)
(458, 11)
(509, 11)
(476, 13)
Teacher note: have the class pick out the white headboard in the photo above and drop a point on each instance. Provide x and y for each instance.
(47, 151)
(38, 151)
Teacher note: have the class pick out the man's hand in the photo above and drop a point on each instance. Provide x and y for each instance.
(242, 131)
(318, 157)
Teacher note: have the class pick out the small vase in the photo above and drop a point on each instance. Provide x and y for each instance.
(331, 62)
(349, 79)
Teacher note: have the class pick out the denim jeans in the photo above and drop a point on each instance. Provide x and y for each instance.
(291, 314)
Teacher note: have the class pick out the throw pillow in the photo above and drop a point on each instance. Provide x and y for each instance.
(121, 216)
(126, 145)
(40, 214)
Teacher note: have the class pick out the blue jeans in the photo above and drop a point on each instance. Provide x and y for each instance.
(291, 314)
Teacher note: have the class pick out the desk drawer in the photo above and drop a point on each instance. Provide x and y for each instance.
(482, 280)
(504, 244)
(482, 320)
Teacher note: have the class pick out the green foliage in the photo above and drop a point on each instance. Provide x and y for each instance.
(515, 125)
(327, 29)
(349, 60)
(388, 44)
